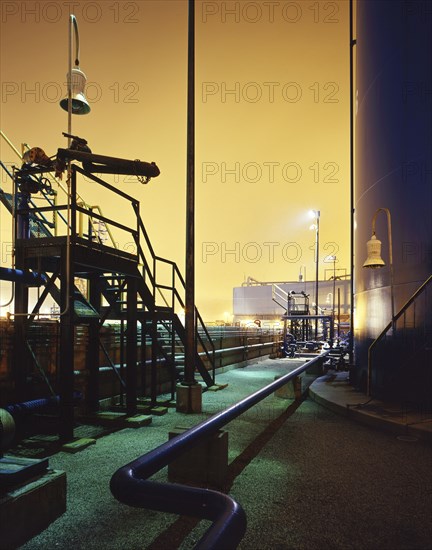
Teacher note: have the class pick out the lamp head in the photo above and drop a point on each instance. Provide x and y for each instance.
(374, 259)
(77, 83)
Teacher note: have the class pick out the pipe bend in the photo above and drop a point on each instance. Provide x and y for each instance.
(228, 517)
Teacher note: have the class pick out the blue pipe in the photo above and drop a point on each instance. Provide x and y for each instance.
(130, 483)
(21, 410)
(24, 277)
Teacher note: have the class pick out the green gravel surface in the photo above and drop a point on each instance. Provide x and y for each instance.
(306, 478)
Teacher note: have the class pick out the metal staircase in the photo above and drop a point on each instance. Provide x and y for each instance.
(121, 286)
(401, 355)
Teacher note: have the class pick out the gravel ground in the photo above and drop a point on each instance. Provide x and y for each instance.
(306, 478)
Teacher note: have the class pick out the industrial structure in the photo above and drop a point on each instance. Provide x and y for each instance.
(95, 324)
(115, 333)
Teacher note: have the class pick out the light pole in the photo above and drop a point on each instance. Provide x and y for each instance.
(316, 214)
(333, 259)
(76, 102)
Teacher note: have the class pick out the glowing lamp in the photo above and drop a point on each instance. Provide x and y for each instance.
(374, 259)
(76, 81)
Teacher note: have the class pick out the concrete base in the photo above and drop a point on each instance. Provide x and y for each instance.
(189, 398)
(291, 390)
(206, 464)
(78, 445)
(28, 509)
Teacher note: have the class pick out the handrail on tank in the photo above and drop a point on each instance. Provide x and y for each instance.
(130, 484)
(387, 328)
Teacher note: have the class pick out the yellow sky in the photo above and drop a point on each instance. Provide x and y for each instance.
(272, 123)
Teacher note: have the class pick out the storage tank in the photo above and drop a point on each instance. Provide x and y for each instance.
(393, 170)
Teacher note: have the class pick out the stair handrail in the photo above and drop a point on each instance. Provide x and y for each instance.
(392, 323)
(130, 484)
(176, 275)
(280, 293)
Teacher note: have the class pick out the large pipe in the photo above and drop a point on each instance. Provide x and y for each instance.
(25, 277)
(13, 414)
(130, 483)
(109, 165)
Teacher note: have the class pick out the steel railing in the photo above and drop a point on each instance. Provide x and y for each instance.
(130, 484)
(391, 325)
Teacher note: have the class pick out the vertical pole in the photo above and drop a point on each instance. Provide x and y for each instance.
(69, 77)
(316, 270)
(122, 358)
(21, 356)
(190, 347)
(153, 373)
(92, 355)
(352, 43)
(66, 429)
(131, 346)
(334, 287)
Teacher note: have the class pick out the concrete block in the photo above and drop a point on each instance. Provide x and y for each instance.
(139, 420)
(15, 470)
(206, 464)
(144, 401)
(217, 387)
(29, 508)
(144, 409)
(159, 411)
(290, 390)
(316, 368)
(105, 418)
(189, 398)
(78, 445)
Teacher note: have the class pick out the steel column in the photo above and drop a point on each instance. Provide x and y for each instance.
(190, 321)
(131, 346)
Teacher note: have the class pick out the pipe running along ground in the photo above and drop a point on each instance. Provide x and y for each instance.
(130, 484)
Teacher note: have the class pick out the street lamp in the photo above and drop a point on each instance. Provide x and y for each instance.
(374, 260)
(316, 215)
(75, 103)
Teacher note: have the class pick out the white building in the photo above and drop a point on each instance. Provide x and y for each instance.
(267, 301)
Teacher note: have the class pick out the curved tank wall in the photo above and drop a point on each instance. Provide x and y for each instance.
(393, 169)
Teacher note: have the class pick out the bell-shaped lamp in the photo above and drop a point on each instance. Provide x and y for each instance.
(374, 259)
(77, 84)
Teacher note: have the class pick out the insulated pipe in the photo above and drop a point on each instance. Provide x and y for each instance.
(7, 429)
(20, 410)
(130, 483)
(25, 277)
(14, 413)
